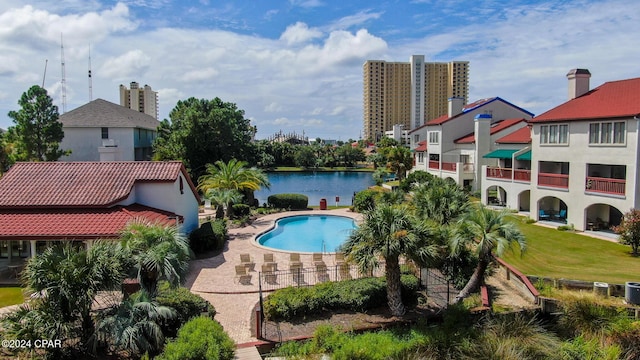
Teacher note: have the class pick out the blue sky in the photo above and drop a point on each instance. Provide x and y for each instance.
(296, 65)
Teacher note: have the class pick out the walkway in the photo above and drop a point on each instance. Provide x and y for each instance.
(213, 278)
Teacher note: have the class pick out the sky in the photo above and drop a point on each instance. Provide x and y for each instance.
(296, 65)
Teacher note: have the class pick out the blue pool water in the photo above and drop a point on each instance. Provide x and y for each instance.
(308, 233)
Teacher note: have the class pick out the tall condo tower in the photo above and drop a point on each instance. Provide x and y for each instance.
(144, 100)
(409, 93)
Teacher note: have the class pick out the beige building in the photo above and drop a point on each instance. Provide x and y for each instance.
(144, 100)
(409, 93)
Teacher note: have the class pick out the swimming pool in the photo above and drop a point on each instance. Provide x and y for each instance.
(308, 233)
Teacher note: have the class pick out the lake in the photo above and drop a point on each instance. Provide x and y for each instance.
(317, 185)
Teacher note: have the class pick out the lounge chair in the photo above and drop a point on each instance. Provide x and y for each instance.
(339, 257)
(542, 215)
(268, 271)
(322, 274)
(242, 276)
(245, 259)
(344, 271)
(297, 272)
(268, 258)
(317, 259)
(294, 257)
(562, 215)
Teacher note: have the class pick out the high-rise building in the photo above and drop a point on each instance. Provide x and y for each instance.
(409, 93)
(144, 100)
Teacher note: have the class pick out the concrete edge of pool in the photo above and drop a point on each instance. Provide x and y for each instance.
(273, 218)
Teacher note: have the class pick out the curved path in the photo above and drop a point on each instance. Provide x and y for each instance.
(214, 278)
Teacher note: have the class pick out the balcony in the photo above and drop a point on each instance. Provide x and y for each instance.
(605, 185)
(508, 174)
(446, 166)
(560, 181)
(433, 164)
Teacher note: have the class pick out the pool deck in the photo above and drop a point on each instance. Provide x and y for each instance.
(214, 278)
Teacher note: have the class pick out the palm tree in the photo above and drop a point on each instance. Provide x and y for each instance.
(223, 198)
(390, 231)
(440, 201)
(155, 252)
(135, 325)
(66, 279)
(399, 160)
(233, 175)
(485, 231)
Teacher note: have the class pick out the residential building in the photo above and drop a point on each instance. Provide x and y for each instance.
(143, 100)
(584, 157)
(453, 145)
(409, 93)
(399, 134)
(104, 131)
(44, 202)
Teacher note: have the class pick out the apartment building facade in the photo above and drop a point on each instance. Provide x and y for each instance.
(584, 158)
(409, 93)
(144, 99)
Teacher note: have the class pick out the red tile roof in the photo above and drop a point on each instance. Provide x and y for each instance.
(495, 128)
(614, 99)
(422, 146)
(520, 136)
(59, 224)
(81, 184)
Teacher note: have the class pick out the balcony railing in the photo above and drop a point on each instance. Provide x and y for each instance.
(554, 180)
(433, 164)
(449, 166)
(468, 168)
(605, 185)
(508, 174)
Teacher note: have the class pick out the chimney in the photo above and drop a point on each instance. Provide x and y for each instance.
(455, 106)
(578, 82)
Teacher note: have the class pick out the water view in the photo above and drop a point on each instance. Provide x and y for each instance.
(317, 185)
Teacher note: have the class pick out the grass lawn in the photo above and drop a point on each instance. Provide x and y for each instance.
(11, 296)
(559, 254)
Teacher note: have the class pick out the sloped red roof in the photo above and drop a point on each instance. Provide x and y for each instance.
(520, 136)
(614, 99)
(81, 184)
(422, 146)
(78, 223)
(495, 128)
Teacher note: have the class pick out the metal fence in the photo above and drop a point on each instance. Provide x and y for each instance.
(438, 288)
(299, 277)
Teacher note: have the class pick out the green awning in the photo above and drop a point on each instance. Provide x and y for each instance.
(500, 154)
(525, 156)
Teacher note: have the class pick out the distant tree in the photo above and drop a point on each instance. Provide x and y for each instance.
(6, 151)
(306, 156)
(378, 160)
(37, 132)
(399, 160)
(202, 132)
(223, 198)
(387, 142)
(234, 175)
(629, 230)
(349, 156)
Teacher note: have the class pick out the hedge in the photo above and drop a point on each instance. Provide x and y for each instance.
(201, 338)
(211, 235)
(240, 210)
(365, 200)
(354, 295)
(288, 201)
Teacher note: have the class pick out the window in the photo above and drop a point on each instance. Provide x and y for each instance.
(434, 137)
(420, 157)
(554, 134)
(607, 133)
(105, 133)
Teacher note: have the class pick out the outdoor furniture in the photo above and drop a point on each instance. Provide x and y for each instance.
(245, 259)
(339, 257)
(344, 271)
(322, 274)
(317, 259)
(296, 272)
(562, 215)
(242, 276)
(268, 258)
(542, 215)
(268, 270)
(294, 257)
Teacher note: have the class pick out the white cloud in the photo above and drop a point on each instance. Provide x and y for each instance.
(354, 20)
(306, 3)
(200, 75)
(273, 107)
(133, 63)
(299, 33)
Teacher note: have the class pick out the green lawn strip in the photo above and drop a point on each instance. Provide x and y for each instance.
(558, 254)
(11, 296)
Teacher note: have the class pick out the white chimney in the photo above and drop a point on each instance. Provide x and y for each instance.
(455, 106)
(578, 82)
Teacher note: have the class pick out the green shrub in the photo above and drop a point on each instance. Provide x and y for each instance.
(354, 295)
(200, 338)
(240, 210)
(415, 178)
(288, 201)
(365, 200)
(211, 235)
(186, 304)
